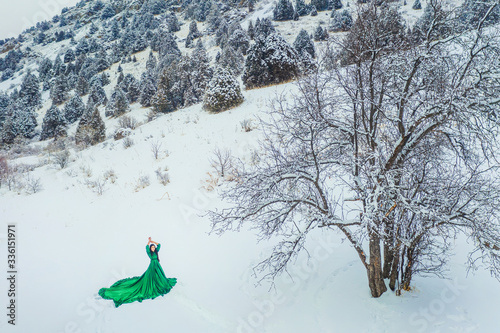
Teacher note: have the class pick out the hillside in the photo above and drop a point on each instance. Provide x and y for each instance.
(83, 214)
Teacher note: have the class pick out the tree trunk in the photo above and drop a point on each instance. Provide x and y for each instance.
(375, 274)
(408, 272)
(395, 268)
(388, 249)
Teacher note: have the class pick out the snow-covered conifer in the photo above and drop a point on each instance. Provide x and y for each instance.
(69, 56)
(73, 109)
(108, 12)
(231, 59)
(148, 89)
(223, 92)
(30, 91)
(341, 20)
(320, 5)
(303, 43)
(21, 122)
(314, 11)
(335, 4)
(58, 90)
(270, 61)
(82, 86)
(283, 10)
(320, 34)
(54, 124)
(301, 8)
(91, 129)
(239, 40)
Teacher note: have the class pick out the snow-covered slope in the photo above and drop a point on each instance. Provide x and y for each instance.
(72, 241)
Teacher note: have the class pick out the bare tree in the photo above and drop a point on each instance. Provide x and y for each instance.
(407, 131)
(155, 149)
(62, 158)
(221, 161)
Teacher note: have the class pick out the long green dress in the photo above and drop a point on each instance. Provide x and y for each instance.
(149, 285)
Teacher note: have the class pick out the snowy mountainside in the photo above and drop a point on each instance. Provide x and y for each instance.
(84, 226)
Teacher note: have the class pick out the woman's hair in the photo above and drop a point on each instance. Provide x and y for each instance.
(156, 251)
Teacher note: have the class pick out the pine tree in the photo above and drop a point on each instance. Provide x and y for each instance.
(101, 61)
(54, 124)
(82, 86)
(193, 30)
(148, 89)
(314, 11)
(165, 44)
(30, 91)
(151, 63)
(45, 69)
(263, 28)
(301, 8)
(336, 4)
(108, 12)
(118, 103)
(283, 11)
(320, 5)
(232, 60)
(69, 56)
(21, 122)
(161, 101)
(82, 47)
(341, 20)
(416, 5)
(223, 92)
(73, 109)
(239, 40)
(58, 90)
(97, 95)
(4, 107)
(303, 43)
(251, 5)
(270, 61)
(134, 91)
(250, 30)
(91, 129)
(320, 34)
(171, 22)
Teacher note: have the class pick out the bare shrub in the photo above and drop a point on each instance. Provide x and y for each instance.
(142, 182)
(152, 115)
(86, 170)
(211, 182)
(246, 125)
(127, 142)
(155, 148)
(163, 177)
(128, 122)
(98, 186)
(121, 133)
(33, 185)
(62, 158)
(110, 175)
(221, 161)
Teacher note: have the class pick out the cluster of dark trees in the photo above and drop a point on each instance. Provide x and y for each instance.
(173, 80)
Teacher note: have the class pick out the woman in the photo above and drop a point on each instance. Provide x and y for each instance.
(151, 284)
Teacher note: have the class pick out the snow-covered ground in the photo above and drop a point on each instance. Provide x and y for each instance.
(72, 241)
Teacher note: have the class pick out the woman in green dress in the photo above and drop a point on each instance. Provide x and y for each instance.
(149, 285)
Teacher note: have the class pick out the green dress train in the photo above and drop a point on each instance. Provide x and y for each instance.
(149, 285)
